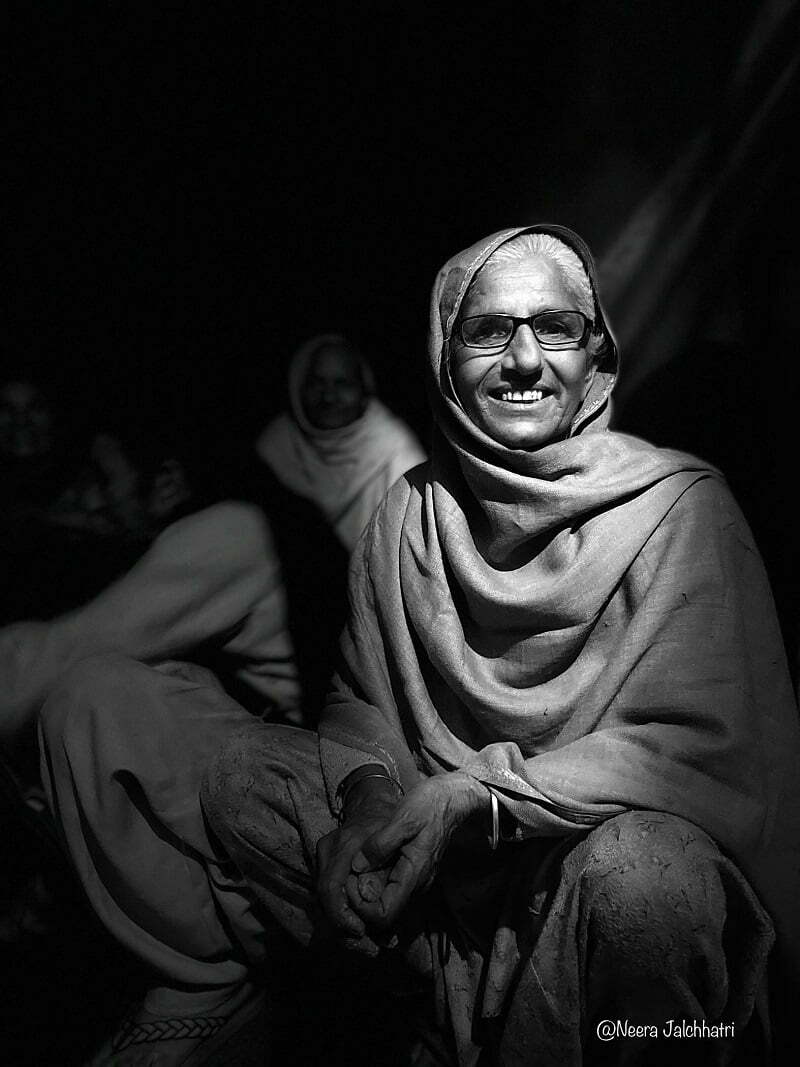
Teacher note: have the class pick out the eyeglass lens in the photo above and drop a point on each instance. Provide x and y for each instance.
(551, 328)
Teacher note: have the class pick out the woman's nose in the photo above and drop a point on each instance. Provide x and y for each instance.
(524, 354)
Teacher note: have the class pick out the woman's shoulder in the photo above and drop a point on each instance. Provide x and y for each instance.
(690, 496)
(624, 446)
(706, 514)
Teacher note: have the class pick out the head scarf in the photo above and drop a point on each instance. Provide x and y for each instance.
(585, 628)
(345, 471)
(563, 479)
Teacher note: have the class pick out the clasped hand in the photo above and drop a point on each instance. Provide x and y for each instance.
(387, 850)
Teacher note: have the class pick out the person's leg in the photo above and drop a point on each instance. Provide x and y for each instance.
(264, 798)
(124, 748)
(646, 922)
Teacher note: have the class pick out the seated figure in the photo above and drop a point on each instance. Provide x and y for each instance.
(337, 445)
(556, 771)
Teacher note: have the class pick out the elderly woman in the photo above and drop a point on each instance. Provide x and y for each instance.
(557, 769)
(338, 445)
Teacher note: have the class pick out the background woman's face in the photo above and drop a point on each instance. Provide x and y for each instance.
(523, 396)
(332, 393)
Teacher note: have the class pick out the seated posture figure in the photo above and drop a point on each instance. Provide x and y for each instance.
(338, 445)
(556, 772)
(207, 593)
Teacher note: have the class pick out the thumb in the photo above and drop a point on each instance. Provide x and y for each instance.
(378, 850)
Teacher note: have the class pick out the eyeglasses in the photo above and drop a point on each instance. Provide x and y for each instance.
(552, 329)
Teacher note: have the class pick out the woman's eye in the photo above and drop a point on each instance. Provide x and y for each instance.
(486, 330)
(553, 328)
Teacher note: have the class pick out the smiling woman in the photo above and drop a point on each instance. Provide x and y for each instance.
(563, 637)
(524, 358)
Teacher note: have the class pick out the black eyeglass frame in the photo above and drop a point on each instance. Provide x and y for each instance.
(530, 321)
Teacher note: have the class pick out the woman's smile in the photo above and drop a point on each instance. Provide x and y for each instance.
(520, 397)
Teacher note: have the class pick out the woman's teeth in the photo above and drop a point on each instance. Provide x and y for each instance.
(526, 397)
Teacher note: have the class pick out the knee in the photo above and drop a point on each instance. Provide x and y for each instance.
(651, 886)
(250, 771)
(228, 775)
(91, 686)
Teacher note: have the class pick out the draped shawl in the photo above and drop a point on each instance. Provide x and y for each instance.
(586, 628)
(345, 471)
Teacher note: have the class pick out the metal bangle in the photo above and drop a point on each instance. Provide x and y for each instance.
(363, 778)
(494, 836)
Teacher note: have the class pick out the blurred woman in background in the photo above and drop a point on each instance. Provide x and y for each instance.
(337, 445)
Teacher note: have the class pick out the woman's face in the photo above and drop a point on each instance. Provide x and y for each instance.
(332, 394)
(523, 396)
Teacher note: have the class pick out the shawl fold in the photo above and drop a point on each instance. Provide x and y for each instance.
(586, 629)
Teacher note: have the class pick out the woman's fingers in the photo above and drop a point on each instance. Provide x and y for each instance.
(370, 886)
(370, 868)
(333, 865)
(336, 906)
(368, 878)
(380, 848)
(366, 901)
(364, 946)
(404, 879)
(411, 873)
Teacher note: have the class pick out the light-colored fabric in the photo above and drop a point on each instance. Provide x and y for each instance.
(526, 948)
(586, 628)
(124, 750)
(347, 471)
(212, 579)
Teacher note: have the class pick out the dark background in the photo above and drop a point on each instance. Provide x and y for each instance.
(192, 190)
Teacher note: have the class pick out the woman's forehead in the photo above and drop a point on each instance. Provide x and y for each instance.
(334, 359)
(531, 278)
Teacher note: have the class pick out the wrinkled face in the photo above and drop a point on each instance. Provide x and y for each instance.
(332, 394)
(25, 421)
(523, 396)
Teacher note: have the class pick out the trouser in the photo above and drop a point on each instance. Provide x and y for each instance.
(124, 748)
(640, 921)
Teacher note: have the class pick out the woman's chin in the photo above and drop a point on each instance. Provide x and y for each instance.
(519, 424)
(523, 431)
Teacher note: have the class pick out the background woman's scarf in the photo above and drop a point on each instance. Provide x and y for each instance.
(346, 471)
(586, 628)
